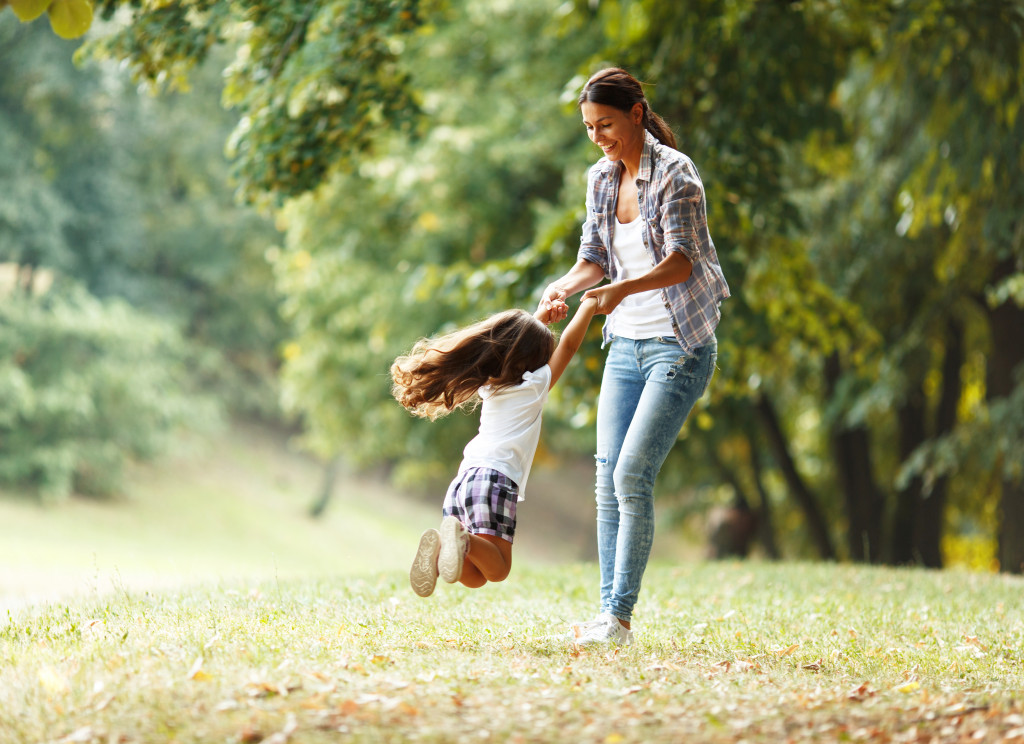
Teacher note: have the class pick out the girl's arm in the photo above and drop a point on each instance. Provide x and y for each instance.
(571, 338)
(583, 275)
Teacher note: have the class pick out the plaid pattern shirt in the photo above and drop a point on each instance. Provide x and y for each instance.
(674, 217)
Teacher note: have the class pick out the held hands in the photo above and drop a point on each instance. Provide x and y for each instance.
(551, 311)
(552, 307)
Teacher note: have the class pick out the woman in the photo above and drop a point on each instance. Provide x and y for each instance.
(646, 231)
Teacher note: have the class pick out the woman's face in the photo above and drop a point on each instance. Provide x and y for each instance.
(618, 133)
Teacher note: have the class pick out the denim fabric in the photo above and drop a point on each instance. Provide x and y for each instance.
(647, 392)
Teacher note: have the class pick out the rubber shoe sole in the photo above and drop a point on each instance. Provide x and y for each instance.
(423, 574)
(454, 546)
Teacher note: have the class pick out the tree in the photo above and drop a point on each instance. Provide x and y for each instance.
(117, 210)
(832, 140)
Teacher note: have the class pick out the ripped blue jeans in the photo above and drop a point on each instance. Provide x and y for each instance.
(647, 391)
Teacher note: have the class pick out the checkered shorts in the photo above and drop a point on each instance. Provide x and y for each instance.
(485, 501)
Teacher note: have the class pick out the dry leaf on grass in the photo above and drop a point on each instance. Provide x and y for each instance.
(861, 692)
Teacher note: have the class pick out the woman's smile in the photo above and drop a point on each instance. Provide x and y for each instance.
(618, 133)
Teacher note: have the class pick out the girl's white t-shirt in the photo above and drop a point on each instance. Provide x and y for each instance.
(641, 315)
(509, 428)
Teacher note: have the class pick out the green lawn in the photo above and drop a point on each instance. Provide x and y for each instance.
(205, 606)
(725, 653)
(233, 506)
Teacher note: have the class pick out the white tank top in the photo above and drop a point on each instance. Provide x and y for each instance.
(641, 315)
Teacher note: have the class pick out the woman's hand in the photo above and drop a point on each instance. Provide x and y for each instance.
(608, 297)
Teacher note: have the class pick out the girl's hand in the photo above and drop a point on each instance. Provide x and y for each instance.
(551, 311)
(552, 307)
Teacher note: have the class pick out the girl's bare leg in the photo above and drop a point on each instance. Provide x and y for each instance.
(489, 559)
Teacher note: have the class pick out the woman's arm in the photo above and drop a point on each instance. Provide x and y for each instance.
(583, 275)
(675, 268)
(571, 338)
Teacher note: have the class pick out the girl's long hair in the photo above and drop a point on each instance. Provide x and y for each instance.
(617, 88)
(441, 374)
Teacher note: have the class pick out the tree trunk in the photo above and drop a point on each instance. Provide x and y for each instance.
(1006, 322)
(851, 449)
(805, 499)
(326, 488)
(730, 529)
(912, 434)
(931, 511)
(765, 525)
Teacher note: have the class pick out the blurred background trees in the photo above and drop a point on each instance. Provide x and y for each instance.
(425, 166)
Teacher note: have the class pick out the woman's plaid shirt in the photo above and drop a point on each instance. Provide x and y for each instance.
(672, 206)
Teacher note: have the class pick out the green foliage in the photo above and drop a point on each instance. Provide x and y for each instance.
(315, 84)
(84, 386)
(431, 232)
(861, 163)
(124, 197)
(69, 19)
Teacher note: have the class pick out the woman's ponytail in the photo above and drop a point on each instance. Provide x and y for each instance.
(657, 126)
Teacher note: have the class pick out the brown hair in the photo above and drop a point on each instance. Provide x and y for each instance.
(441, 374)
(617, 88)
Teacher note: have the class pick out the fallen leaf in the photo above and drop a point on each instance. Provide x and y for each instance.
(788, 651)
(973, 641)
(348, 707)
(860, 692)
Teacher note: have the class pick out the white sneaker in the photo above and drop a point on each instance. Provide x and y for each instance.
(578, 630)
(454, 546)
(423, 574)
(605, 629)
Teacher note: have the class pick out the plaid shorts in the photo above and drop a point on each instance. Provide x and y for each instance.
(485, 501)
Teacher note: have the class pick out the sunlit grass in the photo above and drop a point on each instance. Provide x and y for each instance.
(232, 506)
(724, 652)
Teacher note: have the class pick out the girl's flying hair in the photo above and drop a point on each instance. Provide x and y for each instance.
(442, 374)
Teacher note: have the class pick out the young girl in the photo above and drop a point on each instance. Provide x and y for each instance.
(510, 361)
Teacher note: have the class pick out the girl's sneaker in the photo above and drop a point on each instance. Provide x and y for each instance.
(605, 629)
(454, 546)
(423, 574)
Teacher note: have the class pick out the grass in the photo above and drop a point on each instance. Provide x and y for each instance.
(725, 653)
(232, 506)
(204, 606)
